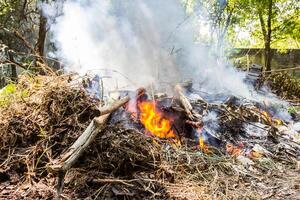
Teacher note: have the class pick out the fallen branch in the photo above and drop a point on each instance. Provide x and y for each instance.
(115, 106)
(69, 158)
(184, 102)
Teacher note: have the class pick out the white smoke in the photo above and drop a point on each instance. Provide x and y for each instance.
(120, 36)
(147, 41)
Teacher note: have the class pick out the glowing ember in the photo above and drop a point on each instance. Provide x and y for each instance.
(234, 150)
(154, 122)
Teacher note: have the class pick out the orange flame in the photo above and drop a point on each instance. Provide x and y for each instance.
(202, 145)
(270, 120)
(267, 116)
(154, 122)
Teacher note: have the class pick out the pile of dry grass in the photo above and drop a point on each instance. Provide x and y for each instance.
(39, 118)
(43, 116)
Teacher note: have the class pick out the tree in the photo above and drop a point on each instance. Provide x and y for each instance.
(286, 28)
(23, 30)
(269, 24)
(221, 15)
(266, 6)
(12, 13)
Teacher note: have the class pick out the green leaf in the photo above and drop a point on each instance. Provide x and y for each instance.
(7, 90)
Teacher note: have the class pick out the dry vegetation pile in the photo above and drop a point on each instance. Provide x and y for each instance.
(285, 85)
(41, 117)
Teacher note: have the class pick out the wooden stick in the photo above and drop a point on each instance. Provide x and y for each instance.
(69, 158)
(184, 101)
(115, 106)
(285, 69)
(75, 151)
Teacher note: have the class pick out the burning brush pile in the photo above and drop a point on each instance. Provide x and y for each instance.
(57, 141)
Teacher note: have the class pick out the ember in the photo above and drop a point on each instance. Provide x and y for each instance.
(233, 150)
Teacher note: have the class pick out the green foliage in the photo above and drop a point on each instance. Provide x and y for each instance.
(285, 24)
(18, 16)
(10, 93)
(19, 33)
(294, 109)
(10, 12)
(7, 90)
(6, 94)
(244, 28)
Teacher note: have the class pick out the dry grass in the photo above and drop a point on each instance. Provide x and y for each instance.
(122, 163)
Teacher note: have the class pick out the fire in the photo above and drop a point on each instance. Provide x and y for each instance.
(202, 145)
(267, 116)
(154, 122)
(270, 120)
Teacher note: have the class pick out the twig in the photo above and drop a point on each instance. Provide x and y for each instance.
(125, 182)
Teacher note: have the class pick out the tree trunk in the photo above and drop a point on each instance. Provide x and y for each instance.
(42, 35)
(266, 34)
(40, 46)
(268, 53)
(14, 75)
(268, 56)
(223, 32)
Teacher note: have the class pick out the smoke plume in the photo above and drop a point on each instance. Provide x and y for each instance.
(140, 42)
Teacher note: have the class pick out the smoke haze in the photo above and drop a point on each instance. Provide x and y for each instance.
(147, 41)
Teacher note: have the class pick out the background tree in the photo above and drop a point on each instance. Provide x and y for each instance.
(23, 31)
(266, 8)
(220, 15)
(268, 24)
(251, 23)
